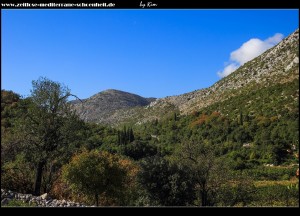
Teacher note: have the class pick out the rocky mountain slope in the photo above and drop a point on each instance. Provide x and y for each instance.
(279, 64)
(101, 107)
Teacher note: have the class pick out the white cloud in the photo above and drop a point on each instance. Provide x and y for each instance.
(228, 70)
(248, 51)
(275, 39)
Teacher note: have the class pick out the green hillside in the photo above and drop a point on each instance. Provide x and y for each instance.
(235, 143)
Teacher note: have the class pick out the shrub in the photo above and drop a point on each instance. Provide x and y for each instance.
(99, 174)
(18, 203)
(17, 175)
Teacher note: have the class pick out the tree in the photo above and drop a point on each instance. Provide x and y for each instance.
(131, 136)
(49, 125)
(240, 190)
(209, 173)
(241, 120)
(175, 116)
(97, 173)
(140, 149)
(126, 136)
(167, 184)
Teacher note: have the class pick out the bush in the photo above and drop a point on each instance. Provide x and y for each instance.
(272, 173)
(100, 176)
(61, 190)
(167, 184)
(277, 195)
(138, 150)
(18, 203)
(17, 176)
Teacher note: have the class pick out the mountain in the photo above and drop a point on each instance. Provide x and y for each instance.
(101, 107)
(279, 64)
(276, 66)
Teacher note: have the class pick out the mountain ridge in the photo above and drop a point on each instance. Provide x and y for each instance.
(278, 64)
(259, 74)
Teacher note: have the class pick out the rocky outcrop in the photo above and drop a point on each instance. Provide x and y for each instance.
(40, 201)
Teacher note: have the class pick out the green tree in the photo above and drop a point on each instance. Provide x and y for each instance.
(48, 127)
(9, 107)
(131, 136)
(240, 190)
(241, 118)
(175, 116)
(167, 184)
(97, 173)
(140, 149)
(209, 173)
(126, 136)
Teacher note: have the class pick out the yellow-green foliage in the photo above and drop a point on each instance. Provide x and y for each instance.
(276, 193)
(18, 203)
(100, 174)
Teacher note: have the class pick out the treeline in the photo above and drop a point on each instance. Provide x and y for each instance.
(125, 136)
(213, 157)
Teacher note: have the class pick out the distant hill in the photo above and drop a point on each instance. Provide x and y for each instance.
(101, 106)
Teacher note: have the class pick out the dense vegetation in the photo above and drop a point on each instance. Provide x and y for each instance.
(239, 152)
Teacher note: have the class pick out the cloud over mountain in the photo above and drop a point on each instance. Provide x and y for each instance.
(248, 51)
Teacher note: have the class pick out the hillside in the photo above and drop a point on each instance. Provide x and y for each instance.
(101, 107)
(245, 128)
(277, 65)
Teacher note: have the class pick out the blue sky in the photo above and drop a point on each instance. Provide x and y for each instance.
(154, 53)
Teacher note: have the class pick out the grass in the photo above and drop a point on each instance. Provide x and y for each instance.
(271, 183)
(18, 203)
